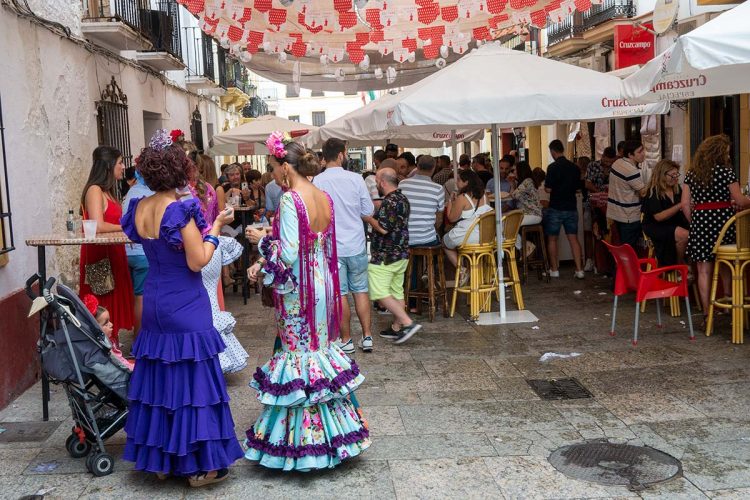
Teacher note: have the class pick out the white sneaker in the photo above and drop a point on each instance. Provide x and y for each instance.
(366, 344)
(347, 347)
(530, 247)
(554, 274)
(579, 275)
(589, 265)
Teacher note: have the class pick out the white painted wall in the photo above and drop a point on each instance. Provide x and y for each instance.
(49, 86)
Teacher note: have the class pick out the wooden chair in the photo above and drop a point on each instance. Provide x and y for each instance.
(736, 257)
(479, 259)
(511, 225)
(423, 258)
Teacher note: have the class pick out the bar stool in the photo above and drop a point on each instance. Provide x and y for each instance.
(479, 259)
(511, 225)
(736, 257)
(423, 259)
(538, 259)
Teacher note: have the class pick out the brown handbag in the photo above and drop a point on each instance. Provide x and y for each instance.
(99, 277)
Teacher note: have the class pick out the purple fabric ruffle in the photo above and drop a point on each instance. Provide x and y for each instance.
(178, 215)
(202, 456)
(290, 451)
(319, 385)
(127, 221)
(170, 348)
(173, 386)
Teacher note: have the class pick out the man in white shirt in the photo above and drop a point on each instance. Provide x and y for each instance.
(351, 202)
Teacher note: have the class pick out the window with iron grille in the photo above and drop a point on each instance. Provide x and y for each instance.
(112, 122)
(319, 118)
(196, 129)
(6, 223)
(293, 118)
(317, 93)
(291, 92)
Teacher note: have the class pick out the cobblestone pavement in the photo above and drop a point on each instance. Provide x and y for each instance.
(451, 414)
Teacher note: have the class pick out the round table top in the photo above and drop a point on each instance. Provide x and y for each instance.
(63, 239)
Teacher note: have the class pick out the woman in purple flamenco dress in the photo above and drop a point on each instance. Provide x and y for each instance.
(308, 421)
(179, 421)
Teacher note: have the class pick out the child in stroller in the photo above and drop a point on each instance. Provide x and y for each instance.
(77, 354)
(101, 314)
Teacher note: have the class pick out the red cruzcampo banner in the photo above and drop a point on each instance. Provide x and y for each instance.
(633, 45)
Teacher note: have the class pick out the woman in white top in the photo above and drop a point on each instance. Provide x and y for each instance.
(463, 208)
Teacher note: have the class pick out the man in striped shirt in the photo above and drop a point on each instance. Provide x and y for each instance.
(625, 190)
(427, 200)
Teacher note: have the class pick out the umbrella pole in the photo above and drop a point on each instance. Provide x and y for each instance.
(454, 151)
(495, 148)
(503, 317)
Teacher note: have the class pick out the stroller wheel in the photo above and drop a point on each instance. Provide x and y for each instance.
(76, 448)
(100, 464)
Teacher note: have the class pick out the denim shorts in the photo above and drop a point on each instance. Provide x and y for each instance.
(138, 265)
(554, 219)
(353, 273)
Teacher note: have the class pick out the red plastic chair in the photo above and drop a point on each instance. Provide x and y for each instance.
(647, 285)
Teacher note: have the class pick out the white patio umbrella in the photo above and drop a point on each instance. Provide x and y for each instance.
(713, 59)
(249, 138)
(509, 88)
(403, 136)
(498, 87)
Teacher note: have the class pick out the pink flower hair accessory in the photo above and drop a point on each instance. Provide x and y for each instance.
(276, 143)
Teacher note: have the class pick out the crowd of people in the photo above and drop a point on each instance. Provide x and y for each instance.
(312, 244)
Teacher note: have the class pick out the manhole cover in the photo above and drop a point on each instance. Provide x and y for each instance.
(561, 388)
(11, 432)
(615, 464)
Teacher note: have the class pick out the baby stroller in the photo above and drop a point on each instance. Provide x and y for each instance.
(75, 353)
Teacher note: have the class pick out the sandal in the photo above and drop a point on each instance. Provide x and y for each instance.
(204, 479)
(161, 476)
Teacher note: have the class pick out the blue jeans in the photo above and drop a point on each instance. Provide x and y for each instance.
(353, 273)
(554, 219)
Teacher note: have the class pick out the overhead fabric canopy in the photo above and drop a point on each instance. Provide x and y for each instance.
(249, 138)
(357, 45)
(403, 136)
(538, 91)
(713, 59)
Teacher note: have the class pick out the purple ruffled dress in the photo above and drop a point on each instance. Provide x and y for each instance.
(179, 421)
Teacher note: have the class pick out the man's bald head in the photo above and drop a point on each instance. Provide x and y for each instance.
(387, 175)
(388, 163)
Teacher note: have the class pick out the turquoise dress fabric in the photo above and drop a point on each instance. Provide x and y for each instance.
(308, 421)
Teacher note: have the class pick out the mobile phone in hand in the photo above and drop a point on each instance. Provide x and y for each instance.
(244, 186)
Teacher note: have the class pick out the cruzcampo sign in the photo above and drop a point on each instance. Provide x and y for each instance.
(633, 45)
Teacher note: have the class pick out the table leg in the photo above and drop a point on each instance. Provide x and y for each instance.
(42, 266)
(245, 262)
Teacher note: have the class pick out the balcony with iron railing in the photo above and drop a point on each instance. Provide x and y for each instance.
(578, 23)
(147, 26)
(233, 76)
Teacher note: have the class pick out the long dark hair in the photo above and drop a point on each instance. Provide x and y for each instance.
(104, 159)
(474, 186)
(523, 172)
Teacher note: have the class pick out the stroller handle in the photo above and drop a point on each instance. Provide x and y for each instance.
(45, 289)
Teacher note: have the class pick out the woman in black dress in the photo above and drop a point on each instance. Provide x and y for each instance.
(663, 220)
(710, 188)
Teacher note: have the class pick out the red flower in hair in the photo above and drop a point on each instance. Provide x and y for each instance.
(91, 303)
(177, 135)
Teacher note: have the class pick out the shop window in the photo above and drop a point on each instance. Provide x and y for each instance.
(319, 118)
(294, 118)
(633, 129)
(6, 222)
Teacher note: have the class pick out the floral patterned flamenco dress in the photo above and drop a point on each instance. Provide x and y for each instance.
(308, 421)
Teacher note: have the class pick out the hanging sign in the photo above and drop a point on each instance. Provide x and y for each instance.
(633, 45)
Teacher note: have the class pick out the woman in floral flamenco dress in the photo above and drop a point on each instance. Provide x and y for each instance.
(308, 421)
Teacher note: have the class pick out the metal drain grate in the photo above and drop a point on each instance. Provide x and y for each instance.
(615, 464)
(13, 432)
(561, 388)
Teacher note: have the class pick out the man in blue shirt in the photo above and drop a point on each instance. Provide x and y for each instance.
(351, 203)
(137, 261)
(273, 196)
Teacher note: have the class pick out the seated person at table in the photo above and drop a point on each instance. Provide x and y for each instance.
(462, 209)
(663, 220)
